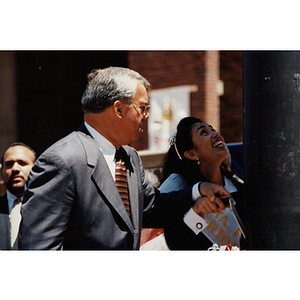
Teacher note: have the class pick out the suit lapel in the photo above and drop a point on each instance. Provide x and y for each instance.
(102, 177)
(109, 189)
(133, 189)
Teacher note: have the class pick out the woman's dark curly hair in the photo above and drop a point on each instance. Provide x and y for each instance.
(176, 162)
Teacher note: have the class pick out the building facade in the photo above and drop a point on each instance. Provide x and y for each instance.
(40, 91)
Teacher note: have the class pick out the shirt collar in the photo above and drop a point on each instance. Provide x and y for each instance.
(106, 147)
(229, 186)
(11, 199)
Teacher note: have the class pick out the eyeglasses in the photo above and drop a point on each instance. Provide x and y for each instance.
(144, 108)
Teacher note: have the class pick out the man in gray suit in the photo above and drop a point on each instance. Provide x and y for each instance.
(71, 200)
(16, 164)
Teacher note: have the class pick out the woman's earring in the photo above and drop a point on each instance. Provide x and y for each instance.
(198, 162)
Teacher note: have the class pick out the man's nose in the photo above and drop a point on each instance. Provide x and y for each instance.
(16, 167)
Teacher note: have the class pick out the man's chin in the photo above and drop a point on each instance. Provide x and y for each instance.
(16, 189)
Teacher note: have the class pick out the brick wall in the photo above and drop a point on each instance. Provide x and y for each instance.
(211, 96)
(231, 73)
(175, 68)
(202, 68)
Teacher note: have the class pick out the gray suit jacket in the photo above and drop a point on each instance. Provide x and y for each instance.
(71, 200)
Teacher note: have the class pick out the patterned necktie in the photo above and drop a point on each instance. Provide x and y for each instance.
(121, 180)
(15, 218)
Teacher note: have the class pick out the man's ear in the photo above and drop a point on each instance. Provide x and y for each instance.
(191, 154)
(118, 108)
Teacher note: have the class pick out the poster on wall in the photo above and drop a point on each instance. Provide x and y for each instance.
(168, 107)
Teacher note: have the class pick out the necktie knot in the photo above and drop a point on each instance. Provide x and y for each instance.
(17, 201)
(118, 155)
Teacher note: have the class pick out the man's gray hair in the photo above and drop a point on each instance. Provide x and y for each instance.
(105, 86)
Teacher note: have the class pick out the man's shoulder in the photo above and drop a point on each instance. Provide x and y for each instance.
(3, 198)
(75, 149)
(72, 143)
(3, 204)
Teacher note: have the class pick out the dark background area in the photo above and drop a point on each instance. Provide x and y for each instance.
(50, 85)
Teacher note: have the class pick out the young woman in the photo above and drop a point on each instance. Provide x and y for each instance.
(199, 153)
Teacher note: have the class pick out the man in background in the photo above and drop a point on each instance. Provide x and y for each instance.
(16, 164)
